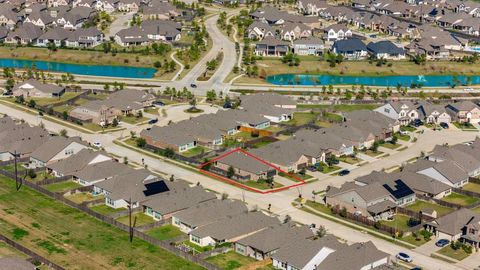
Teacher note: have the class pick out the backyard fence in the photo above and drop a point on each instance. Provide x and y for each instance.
(474, 180)
(12, 161)
(440, 202)
(466, 192)
(30, 253)
(252, 143)
(414, 214)
(121, 226)
(54, 180)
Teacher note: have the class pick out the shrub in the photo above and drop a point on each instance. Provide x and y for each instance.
(32, 174)
(467, 248)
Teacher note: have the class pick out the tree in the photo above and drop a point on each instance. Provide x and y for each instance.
(211, 95)
(115, 122)
(321, 232)
(230, 172)
(32, 103)
(193, 102)
(141, 142)
(224, 196)
(287, 219)
(63, 133)
(125, 160)
(32, 174)
(65, 115)
(394, 139)
(375, 146)
(169, 152)
(133, 134)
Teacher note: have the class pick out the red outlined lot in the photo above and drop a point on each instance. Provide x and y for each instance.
(239, 184)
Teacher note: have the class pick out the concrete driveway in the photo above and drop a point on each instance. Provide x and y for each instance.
(122, 21)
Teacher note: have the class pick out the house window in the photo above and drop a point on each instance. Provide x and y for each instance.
(177, 221)
(110, 202)
(195, 239)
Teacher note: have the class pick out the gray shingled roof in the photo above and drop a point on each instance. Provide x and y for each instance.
(53, 146)
(454, 222)
(242, 161)
(102, 170)
(11, 263)
(75, 162)
(43, 87)
(353, 257)
(210, 212)
(236, 226)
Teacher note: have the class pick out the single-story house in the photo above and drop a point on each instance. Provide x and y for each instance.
(55, 149)
(34, 88)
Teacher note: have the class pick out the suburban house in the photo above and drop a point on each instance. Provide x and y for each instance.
(131, 188)
(206, 213)
(386, 50)
(133, 36)
(446, 172)
(464, 111)
(163, 206)
(26, 33)
(259, 30)
(232, 229)
(308, 46)
(467, 157)
(337, 32)
(34, 88)
(270, 46)
(100, 171)
(85, 38)
(306, 254)
(263, 244)
(434, 114)
(462, 225)
(403, 111)
(96, 111)
(311, 7)
(76, 162)
(371, 200)
(351, 49)
(358, 256)
(55, 149)
(246, 167)
(276, 108)
(20, 139)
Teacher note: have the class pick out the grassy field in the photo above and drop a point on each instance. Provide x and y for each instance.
(420, 205)
(458, 254)
(360, 68)
(62, 186)
(301, 118)
(73, 239)
(230, 260)
(165, 232)
(460, 199)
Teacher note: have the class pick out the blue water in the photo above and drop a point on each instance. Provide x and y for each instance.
(79, 69)
(393, 81)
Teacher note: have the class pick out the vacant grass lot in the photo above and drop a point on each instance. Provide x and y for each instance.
(230, 260)
(420, 205)
(165, 232)
(73, 239)
(460, 199)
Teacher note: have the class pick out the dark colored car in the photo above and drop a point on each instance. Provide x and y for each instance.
(417, 123)
(442, 243)
(153, 121)
(193, 85)
(416, 268)
(159, 103)
(444, 125)
(344, 172)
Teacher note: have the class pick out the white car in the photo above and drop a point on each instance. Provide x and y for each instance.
(97, 144)
(404, 257)
(468, 89)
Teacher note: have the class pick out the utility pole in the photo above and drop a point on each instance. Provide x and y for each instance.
(130, 231)
(18, 183)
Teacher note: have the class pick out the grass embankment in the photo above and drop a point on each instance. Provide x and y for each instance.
(360, 68)
(73, 239)
(89, 57)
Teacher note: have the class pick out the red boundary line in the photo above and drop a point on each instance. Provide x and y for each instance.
(238, 184)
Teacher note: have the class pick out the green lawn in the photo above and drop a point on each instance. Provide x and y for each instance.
(267, 267)
(62, 186)
(390, 145)
(63, 108)
(74, 239)
(417, 241)
(400, 222)
(230, 260)
(408, 128)
(261, 144)
(11, 167)
(458, 254)
(261, 185)
(420, 205)
(151, 110)
(371, 153)
(165, 232)
(141, 219)
(333, 117)
(197, 248)
(350, 160)
(194, 151)
(464, 126)
(297, 175)
(302, 118)
(339, 107)
(474, 187)
(106, 210)
(476, 209)
(328, 169)
(51, 101)
(460, 199)
(133, 120)
(405, 138)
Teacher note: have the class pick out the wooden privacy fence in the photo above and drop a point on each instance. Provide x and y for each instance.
(30, 253)
(121, 226)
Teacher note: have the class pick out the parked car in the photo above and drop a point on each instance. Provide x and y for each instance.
(97, 144)
(444, 125)
(416, 268)
(404, 257)
(153, 121)
(343, 172)
(442, 242)
(159, 103)
(417, 123)
(193, 85)
(468, 89)
(403, 132)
